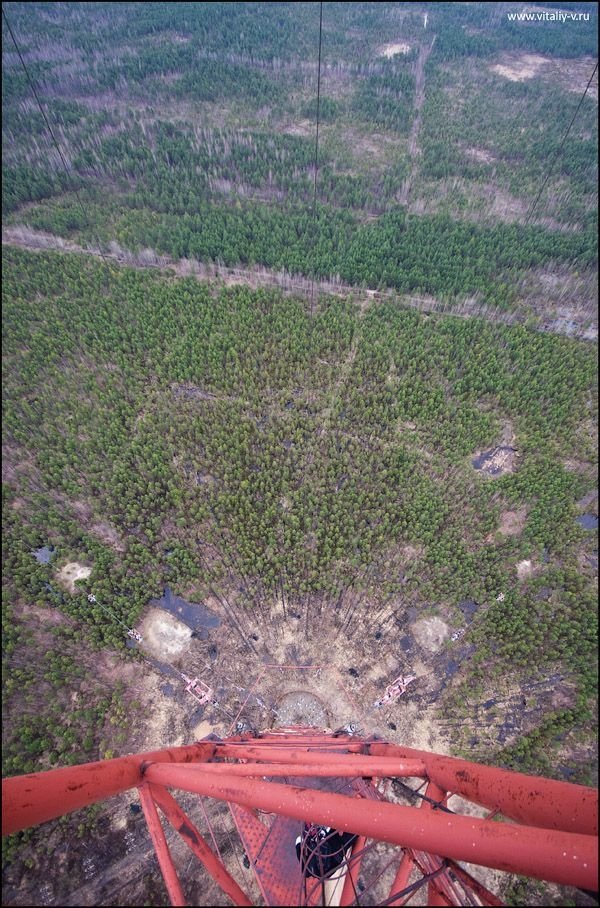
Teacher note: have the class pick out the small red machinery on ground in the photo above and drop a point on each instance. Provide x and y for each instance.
(276, 781)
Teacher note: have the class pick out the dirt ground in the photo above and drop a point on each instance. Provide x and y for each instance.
(571, 75)
(107, 534)
(164, 636)
(512, 522)
(431, 633)
(390, 50)
(481, 154)
(519, 68)
(71, 572)
(278, 674)
(524, 569)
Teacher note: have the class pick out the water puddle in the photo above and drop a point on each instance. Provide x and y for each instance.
(469, 609)
(44, 555)
(195, 614)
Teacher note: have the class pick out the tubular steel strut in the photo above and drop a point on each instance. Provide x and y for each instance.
(536, 827)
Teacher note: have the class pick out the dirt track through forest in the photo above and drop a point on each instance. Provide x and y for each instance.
(414, 149)
(38, 241)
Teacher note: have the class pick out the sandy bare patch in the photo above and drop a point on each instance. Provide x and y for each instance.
(164, 636)
(573, 74)
(202, 730)
(430, 633)
(82, 509)
(521, 68)
(304, 128)
(44, 615)
(390, 50)
(481, 154)
(411, 551)
(417, 727)
(512, 522)
(71, 573)
(524, 569)
(370, 150)
(106, 533)
(505, 206)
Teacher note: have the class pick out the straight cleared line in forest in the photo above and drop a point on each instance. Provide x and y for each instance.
(293, 284)
(414, 149)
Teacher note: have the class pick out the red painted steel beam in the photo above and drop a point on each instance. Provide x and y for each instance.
(41, 796)
(435, 898)
(157, 834)
(274, 752)
(193, 839)
(354, 863)
(527, 799)
(383, 766)
(484, 895)
(401, 879)
(341, 767)
(439, 890)
(559, 857)
(315, 744)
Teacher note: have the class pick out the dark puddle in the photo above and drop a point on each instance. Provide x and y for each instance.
(448, 669)
(195, 614)
(44, 555)
(469, 609)
(588, 521)
(196, 716)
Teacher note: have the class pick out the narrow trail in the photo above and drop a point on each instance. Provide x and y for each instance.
(581, 326)
(414, 149)
(345, 369)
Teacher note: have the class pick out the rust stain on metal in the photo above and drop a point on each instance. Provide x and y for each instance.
(189, 833)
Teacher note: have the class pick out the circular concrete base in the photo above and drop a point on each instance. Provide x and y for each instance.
(299, 707)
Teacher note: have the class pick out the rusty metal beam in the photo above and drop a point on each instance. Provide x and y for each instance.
(436, 898)
(440, 889)
(560, 857)
(483, 894)
(526, 799)
(193, 839)
(157, 834)
(41, 796)
(308, 764)
(349, 891)
(274, 753)
(401, 879)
